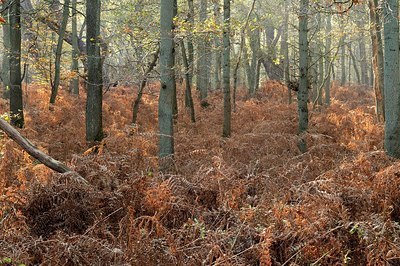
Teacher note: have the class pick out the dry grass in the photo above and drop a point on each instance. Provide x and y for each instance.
(253, 199)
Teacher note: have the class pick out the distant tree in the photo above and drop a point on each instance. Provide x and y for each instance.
(226, 74)
(57, 64)
(328, 61)
(94, 128)
(16, 102)
(74, 86)
(203, 64)
(168, 85)
(392, 78)
(5, 73)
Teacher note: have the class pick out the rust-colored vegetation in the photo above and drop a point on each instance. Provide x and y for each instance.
(253, 199)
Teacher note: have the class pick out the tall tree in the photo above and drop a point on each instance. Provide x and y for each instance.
(328, 60)
(377, 59)
(285, 50)
(74, 86)
(57, 64)
(167, 72)
(5, 73)
(392, 78)
(94, 102)
(217, 49)
(302, 94)
(226, 74)
(16, 102)
(203, 69)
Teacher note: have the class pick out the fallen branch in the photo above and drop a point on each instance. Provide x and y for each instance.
(36, 153)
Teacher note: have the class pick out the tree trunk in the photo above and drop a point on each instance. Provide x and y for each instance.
(392, 80)
(74, 86)
(343, 61)
(377, 59)
(135, 108)
(217, 50)
(226, 132)
(188, 90)
(94, 127)
(190, 56)
(285, 51)
(255, 49)
(328, 59)
(16, 102)
(363, 60)
(354, 61)
(167, 72)
(57, 62)
(302, 94)
(203, 70)
(5, 72)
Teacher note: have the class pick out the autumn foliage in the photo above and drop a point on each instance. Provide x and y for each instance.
(253, 199)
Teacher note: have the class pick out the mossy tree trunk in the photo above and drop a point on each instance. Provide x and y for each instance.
(16, 101)
(302, 94)
(94, 102)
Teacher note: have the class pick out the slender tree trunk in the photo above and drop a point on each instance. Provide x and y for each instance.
(285, 51)
(354, 61)
(57, 62)
(203, 70)
(302, 94)
(377, 59)
(16, 102)
(5, 72)
(166, 99)
(255, 49)
(392, 78)
(328, 59)
(217, 50)
(136, 103)
(94, 102)
(187, 82)
(343, 62)
(363, 60)
(190, 56)
(75, 51)
(226, 132)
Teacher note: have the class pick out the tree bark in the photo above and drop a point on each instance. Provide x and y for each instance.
(392, 78)
(203, 70)
(188, 90)
(168, 85)
(377, 59)
(74, 86)
(5, 73)
(226, 132)
(302, 94)
(328, 60)
(94, 101)
(16, 102)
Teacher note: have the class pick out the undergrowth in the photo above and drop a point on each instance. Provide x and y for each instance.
(253, 199)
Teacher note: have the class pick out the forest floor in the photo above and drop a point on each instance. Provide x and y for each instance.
(253, 199)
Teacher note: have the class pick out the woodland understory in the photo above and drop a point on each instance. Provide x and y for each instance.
(252, 199)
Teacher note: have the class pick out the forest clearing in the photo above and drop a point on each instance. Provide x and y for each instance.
(198, 132)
